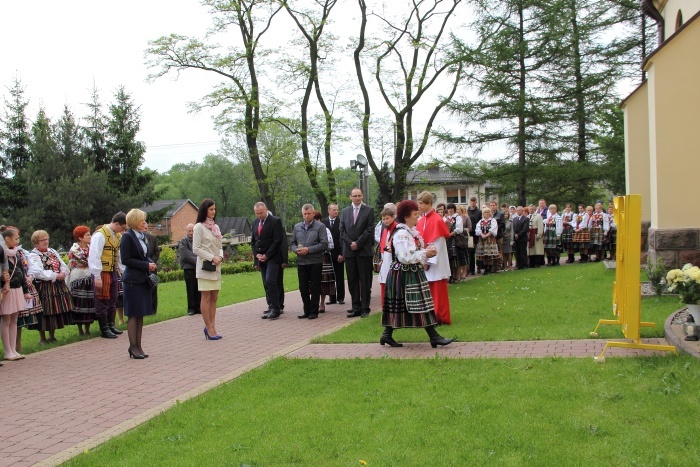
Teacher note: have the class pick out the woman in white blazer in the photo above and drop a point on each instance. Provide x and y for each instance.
(206, 244)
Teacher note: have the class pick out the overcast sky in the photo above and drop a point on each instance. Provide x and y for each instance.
(59, 48)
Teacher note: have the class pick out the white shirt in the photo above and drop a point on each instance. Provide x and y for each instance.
(97, 244)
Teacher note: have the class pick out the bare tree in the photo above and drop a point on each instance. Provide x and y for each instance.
(407, 64)
(240, 88)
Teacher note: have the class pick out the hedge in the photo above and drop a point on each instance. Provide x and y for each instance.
(227, 268)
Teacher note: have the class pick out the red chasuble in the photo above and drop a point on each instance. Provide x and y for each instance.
(431, 227)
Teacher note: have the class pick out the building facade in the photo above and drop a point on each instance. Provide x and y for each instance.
(448, 187)
(662, 120)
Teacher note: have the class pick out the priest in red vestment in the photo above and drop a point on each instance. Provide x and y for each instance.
(433, 229)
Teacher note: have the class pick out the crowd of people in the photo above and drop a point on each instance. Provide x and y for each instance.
(417, 250)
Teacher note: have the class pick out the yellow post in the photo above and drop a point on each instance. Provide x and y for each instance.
(627, 291)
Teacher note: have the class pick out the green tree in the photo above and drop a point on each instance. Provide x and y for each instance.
(15, 149)
(95, 133)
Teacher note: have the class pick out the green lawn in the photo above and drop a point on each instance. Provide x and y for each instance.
(535, 304)
(554, 411)
(172, 303)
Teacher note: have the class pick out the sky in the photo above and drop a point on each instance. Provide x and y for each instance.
(59, 49)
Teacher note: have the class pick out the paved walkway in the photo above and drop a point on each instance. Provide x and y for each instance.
(65, 400)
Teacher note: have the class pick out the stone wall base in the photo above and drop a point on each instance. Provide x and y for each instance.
(674, 246)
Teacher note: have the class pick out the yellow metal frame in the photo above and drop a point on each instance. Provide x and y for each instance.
(627, 290)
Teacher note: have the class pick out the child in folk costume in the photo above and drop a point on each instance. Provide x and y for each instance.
(598, 225)
(487, 249)
(80, 280)
(458, 256)
(389, 222)
(581, 236)
(408, 302)
(611, 244)
(327, 271)
(14, 294)
(567, 232)
(552, 235)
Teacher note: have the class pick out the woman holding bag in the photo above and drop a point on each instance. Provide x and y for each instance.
(206, 244)
(137, 285)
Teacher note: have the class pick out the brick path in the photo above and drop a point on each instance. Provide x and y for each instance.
(59, 402)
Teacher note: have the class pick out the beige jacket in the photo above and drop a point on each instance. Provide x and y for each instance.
(206, 246)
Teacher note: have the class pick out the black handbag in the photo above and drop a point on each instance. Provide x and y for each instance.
(461, 241)
(208, 266)
(153, 280)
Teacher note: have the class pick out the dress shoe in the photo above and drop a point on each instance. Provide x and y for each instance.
(331, 302)
(354, 314)
(321, 310)
(341, 302)
(313, 316)
(272, 315)
(114, 330)
(190, 313)
(364, 314)
(304, 316)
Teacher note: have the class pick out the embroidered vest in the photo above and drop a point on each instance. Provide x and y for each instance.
(110, 252)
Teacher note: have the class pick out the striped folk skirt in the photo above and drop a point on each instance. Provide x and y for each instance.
(551, 242)
(611, 244)
(83, 300)
(56, 304)
(29, 316)
(458, 256)
(407, 282)
(487, 250)
(567, 237)
(597, 237)
(327, 276)
(581, 239)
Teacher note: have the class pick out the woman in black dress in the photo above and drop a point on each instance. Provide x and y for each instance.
(137, 287)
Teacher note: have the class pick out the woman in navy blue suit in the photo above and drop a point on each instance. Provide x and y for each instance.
(137, 288)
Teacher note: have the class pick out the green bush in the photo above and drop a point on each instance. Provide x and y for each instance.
(167, 259)
(171, 276)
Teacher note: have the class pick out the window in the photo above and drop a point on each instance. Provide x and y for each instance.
(456, 195)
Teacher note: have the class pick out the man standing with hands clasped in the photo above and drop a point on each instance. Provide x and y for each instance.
(267, 242)
(309, 242)
(333, 224)
(357, 240)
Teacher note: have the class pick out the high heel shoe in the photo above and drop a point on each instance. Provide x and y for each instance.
(136, 356)
(210, 338)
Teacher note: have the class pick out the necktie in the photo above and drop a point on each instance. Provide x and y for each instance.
(260, 224)
(354, 216)
(331, 221)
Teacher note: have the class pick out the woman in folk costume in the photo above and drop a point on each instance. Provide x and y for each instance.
(581, 236)
(552, 236)
(457, 255)
(15, 293)
(432, 228)
(598, 225)
(49, 272)
(80, 280)
(327, 271)
(28, 317)
(567, 232)
(535, 243)
(612, 233)
(407, 301)
(487, 249)
(389, 223)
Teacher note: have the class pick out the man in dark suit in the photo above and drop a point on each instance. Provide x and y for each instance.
(188, 264)
(332, 222)
(357, 240)
(267, 241)
(521, 228)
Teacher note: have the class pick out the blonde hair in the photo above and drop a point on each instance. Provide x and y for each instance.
(134, 217)
(461, 209)
(37, 235)
(425, 197)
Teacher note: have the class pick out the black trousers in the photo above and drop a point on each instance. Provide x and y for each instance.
(359, 269)
(310, 286)
(270, 272)
(520, 249)
(339, 269)
(194, 296)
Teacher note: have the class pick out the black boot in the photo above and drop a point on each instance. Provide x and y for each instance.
(435, 338)
(110, 323)
(387, 339)
(571, 258)
(104, 328)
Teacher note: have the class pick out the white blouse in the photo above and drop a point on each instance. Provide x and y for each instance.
(404, 245)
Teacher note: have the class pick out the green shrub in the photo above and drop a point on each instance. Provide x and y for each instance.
(171, 276)
(657, 275)
(167, 259)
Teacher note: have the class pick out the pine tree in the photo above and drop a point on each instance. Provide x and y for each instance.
(16, 154)
(94, 133)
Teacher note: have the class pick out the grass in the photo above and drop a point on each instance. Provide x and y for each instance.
(535, 304)
(630, 411)
(172, 303)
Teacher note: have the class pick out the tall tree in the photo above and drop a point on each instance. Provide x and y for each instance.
(311, 23)
(15, 149)
(95, 132)
(237, 66)
(408, 61)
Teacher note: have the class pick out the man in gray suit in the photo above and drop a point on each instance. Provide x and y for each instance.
(357, 240)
